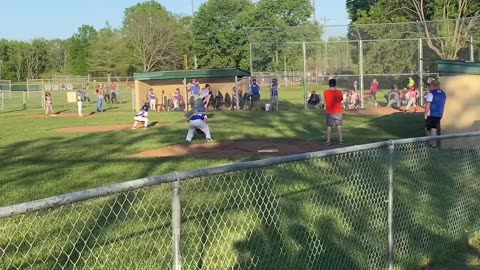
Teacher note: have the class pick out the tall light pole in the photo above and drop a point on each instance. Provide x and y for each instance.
(314, 11)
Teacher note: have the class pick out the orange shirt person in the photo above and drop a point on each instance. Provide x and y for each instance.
(334, 112)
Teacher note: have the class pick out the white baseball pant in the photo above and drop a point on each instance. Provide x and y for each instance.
(140, 119)
(200, 124)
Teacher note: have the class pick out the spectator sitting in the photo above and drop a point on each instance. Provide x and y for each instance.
(394, 98)
(247, 100)
(228, 100)
(219, 101)
(314, 100)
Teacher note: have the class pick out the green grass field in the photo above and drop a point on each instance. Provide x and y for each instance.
(274, 218)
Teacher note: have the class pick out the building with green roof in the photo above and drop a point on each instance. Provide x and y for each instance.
(164, 83)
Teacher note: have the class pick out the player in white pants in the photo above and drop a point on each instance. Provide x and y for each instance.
(141, 116)
(198, 121)
(80, 102)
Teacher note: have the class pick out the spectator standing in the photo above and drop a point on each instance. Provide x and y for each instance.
(100, 96)
(106, 93)
(48, 104)
(85, 96)
(334, 113)
(411, 82)
(152, 100)
(113, 93)
(274, 87)
(117, 92)
(194, 88)
(176, 99)
(374, 89)
(434, 108)
(255, 90)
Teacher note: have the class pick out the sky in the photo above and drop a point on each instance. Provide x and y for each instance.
(50, 19)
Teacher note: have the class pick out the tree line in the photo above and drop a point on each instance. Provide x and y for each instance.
(153, 39)
(218, 36)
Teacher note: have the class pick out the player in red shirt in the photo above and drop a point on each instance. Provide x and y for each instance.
(334, 113)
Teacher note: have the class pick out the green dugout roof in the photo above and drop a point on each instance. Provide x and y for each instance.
(191, 74)
(456, 68)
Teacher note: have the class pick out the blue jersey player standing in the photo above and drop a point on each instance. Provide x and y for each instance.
(255, 91)
(274, 94)
(434, 108)
(198, 121)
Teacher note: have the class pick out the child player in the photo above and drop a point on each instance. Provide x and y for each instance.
(274, 94)
(198, 121)
(141, 116)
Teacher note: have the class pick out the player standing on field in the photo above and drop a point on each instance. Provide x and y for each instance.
(153, 100)
(274, 94)
(255, 91)
(334, 113)
(435, 105)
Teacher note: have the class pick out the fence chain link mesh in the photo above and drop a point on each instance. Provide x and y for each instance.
(129, 230)
(329, 212)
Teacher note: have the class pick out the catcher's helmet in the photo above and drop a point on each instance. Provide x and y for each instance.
(201, 109)
(145, 108)
(274, 80)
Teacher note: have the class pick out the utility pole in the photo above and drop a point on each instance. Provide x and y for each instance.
(314, 11)
(194, 53)
(325, 19)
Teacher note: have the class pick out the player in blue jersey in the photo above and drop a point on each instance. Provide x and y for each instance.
(434, 108)
(274, 94)
(141, 116)
(153, 100)
(255, 91)
(198, 121)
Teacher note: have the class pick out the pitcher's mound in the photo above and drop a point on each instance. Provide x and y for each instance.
(105, 128)
(264, 148)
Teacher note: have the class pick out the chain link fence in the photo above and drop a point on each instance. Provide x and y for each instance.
(377, 206)
(30, 95)
(390, 52)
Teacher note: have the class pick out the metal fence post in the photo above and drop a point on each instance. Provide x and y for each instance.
(360, 70)
(420, 68)
(176, 224)
(1, 93)
(251, 59)
(391, 149)
(472, 50)
(304, 74)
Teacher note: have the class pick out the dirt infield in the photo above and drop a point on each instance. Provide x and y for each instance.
(106, 128)
(379, 111)
(262, 148)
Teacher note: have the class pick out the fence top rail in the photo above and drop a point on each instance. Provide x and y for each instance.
(22, 208)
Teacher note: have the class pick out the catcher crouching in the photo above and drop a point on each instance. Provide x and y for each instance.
(198, 122)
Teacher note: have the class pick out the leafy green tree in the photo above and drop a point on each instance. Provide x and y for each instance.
(109, 54)
(219, 38)
(153, 36)
(57, 55)
(79, 49)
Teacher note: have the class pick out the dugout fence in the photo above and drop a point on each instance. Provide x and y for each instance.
(382, 205)
(390, 52)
